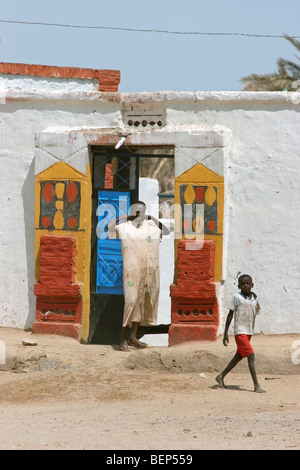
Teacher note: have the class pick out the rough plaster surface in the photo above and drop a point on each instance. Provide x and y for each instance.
(259, 160)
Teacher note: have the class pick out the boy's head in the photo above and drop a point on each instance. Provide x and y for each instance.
(245, 283)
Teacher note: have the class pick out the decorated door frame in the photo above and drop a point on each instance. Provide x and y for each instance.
(67, 156)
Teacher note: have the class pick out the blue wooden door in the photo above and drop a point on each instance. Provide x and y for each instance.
(109, 279)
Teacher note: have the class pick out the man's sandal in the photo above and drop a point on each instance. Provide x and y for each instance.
(137, 344)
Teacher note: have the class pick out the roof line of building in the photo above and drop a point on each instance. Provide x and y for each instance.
(108, 79)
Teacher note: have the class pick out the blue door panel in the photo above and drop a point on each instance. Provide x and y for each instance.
(111, 204)
(109, 246)
(109, 274)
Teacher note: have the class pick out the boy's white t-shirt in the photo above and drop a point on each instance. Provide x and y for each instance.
(245, 310)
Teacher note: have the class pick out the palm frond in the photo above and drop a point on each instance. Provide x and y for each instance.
(287, 73)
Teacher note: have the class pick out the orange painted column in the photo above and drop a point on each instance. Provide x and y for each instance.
(62, 251)
(195, 313)
(199, 205)
(59, 303)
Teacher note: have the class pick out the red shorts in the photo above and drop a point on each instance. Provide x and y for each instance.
(244, 347)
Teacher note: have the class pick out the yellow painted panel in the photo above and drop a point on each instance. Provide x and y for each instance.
(60, 171)
(59, 190)
(37, 191)
(85, 215)
(86, 218)
(199, 174)
(59, 205)
(210, 195)
(189, 194)
(58, 220)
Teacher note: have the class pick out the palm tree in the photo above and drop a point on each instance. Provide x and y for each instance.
(288, 72)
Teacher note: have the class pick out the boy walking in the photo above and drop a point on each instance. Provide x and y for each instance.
(244, 308)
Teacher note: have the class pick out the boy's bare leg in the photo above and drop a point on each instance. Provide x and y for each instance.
(251, 365)
(234, 361)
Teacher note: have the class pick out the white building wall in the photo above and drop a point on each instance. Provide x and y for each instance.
(20, 119)
(261, 202)
(261, 171)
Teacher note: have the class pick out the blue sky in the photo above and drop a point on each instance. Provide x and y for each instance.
(153, 61)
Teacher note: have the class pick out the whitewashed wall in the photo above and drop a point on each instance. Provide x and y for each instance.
(261, 199)
(261, 171)
(25, 111)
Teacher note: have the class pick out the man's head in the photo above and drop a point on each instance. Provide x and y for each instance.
(245, 283)
(138, 209)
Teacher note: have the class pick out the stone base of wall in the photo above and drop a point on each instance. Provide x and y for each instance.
(55, 328)
(179, 333)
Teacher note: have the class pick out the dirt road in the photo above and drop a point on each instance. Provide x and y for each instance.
(61, 394)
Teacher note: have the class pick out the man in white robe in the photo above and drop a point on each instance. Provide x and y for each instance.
(140, 239)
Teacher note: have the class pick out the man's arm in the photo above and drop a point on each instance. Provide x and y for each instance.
(112, 230)
(163, 228)
(112, 224)
(227, 325)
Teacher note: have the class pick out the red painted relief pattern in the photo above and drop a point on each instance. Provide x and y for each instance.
(59, 303)
(195, 314)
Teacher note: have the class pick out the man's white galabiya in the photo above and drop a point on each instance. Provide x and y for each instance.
(140, 252)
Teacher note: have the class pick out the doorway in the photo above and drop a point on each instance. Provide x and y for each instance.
(117, 176)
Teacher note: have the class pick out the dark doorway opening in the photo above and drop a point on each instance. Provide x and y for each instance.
(115, 176)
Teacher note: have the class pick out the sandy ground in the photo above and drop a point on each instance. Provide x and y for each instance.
(61, 394)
